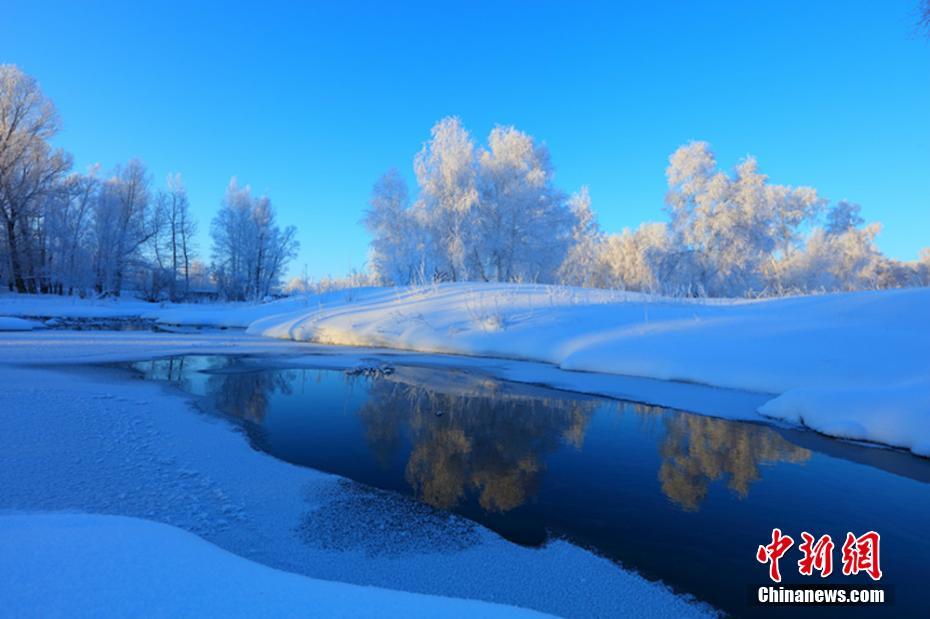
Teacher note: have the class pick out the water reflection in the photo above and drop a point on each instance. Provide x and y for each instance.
(468, 435)
(699, 450)
(640, 485)
(466, 440)
(247, 395)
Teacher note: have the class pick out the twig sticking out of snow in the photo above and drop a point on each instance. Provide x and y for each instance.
(370, 371)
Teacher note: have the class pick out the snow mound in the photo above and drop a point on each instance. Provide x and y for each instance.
(897, 415)
(857, 347)
(81, 565)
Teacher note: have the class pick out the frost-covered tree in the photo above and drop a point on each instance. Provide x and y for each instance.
(523, 224)
(250, 251)
(731, 227)
(847, 260)
(480, 214)
(66, 233)
(922, 268)
(69, 214)
(841, 255)
(639, 259)
(446, 175)
(232, 232)
(842, 217)
(738, 234)
(173, 240)
(29, 172)
(583, 264)
(123, 226)
(398, 245)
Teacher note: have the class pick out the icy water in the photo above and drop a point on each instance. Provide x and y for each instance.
(683, 498)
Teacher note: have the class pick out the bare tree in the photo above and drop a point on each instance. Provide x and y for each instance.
(29, 167)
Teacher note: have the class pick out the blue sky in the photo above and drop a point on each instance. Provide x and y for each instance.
(311, 104)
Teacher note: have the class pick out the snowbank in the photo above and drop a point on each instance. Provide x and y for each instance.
(81, 565)
(72, 307)
(896, 414)
(219, 314)
(861, 347)
(8, 323)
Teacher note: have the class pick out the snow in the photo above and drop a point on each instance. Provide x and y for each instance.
(94, 441)
(8, 323)
(71, 307)
(83, 565)
(896, 414)
(863, 345)
(233, 315)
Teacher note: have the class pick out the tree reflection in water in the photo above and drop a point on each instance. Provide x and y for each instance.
(178, 371)
(495, 443)
(473, 438)
(246, 395)
(699, 450)
(469, 435)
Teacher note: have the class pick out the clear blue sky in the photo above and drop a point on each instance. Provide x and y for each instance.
(310, 105)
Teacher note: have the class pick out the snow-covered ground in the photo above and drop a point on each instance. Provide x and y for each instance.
(112, 566)
(850, 365)
(91, 440)
(10, 323)
(236, 315)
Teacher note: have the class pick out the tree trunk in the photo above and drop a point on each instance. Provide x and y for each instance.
(187, 265)
(118, 281)
(174, 249)
(16, 269)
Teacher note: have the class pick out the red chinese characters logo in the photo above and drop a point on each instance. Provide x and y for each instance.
(859, 554)
(773, 552)
(817, 556)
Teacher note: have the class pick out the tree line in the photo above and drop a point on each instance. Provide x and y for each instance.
(493, 213)
(480, 212)
(66, 232)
